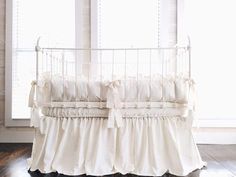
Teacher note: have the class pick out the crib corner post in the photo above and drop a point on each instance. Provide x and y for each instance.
(189, 57)
(37, 50)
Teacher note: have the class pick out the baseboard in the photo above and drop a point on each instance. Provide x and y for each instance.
(216, 123)
(215, 135)
(16, 135)
(201, 135)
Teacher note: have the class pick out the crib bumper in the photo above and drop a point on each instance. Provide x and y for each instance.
(113, 104)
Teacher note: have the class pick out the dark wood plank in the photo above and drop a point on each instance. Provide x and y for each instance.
(13, 159)
(225, 155)
(221, 161)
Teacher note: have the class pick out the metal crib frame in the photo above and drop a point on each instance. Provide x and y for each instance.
(87, 104)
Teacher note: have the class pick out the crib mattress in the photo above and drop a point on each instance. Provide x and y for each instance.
(57, 89)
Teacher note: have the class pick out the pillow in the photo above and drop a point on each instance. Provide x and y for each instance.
(69, 90)
(181, 90)
(43, 92)
(131, 90)
(156, 90)
(143, 90)
(57, 88)
(168, 90)
(82, 90)
(94, 90)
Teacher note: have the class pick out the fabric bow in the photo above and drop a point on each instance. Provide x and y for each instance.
(113, 98)
(113, 104)
(192, 94)
(192, 103)
(34, 117)
(32, 93)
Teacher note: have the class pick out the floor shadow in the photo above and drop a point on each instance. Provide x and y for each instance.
(54, 174)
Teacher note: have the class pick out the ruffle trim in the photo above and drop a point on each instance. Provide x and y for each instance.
(144, 146)
(125, 113)
(113, 121)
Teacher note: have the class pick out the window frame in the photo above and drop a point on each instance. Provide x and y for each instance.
(9, 121)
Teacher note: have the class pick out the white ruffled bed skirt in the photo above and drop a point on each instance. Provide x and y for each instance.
(143, 146)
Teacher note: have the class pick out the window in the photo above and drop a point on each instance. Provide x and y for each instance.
(31, 19)
(136, 23)
(113, 23)
(211, 26)
(126, 23)
(132, 24)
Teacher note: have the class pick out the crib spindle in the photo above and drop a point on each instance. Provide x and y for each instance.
(125, 76)
(101, 80)
(137, 78)
(150, 77)
(160, 55)
(113, 58)
(63, 75)
(51, 75)
(100, 56)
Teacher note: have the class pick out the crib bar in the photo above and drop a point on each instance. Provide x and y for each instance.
(137, 76)
(51, 73)
(162, 72)
(100, 58)
(100, 65)
(176, 62)
(125, 75)
(37, 50)
(150, 74)
(76, 75)
(189, 57)
(113, 57)
(63, 75)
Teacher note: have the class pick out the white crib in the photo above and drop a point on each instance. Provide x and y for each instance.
(105, 111)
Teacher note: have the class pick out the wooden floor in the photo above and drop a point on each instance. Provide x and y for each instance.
(221, 161)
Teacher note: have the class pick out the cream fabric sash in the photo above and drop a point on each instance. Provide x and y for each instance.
(114, 104)
(34, 116)
(32, 94)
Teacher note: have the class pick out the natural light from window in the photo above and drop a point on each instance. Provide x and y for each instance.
(212, 30)
(56, 20)
(128, 23)
(31, 19)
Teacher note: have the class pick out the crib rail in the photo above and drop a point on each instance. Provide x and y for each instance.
(110, 64)
(114, 62)
(38, 48)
